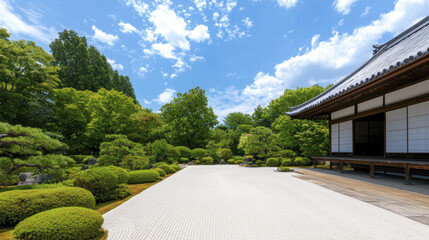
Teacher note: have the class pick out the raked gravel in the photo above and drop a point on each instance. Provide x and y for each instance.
(231, 202)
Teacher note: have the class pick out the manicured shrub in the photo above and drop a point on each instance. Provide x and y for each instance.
(273, 162)
(66, 223)
(120, 173)
(249, 156)
(155, 165)
(197, 162)
(225, 153)
(238, 162)
(259, 162)
(17, 205)
(143, 176)
(165, 167)
(184, 152)
(99, 181)
(230, 161)
(175, 166)
(68, 183)
(301, 161)
(79, 159)
(239, 158)
(283, 169)
(122, 191)
(160, 171)
(134, 162)
(207, 160)
(183, 160)
(286, 162)
(198, 153)
(172, 169)
(71, 172)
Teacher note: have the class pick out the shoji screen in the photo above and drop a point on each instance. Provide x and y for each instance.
(396, 131)
(335, 138)
(418, 128)
(346, 137)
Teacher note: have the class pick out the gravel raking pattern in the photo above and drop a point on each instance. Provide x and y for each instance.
(231, 202)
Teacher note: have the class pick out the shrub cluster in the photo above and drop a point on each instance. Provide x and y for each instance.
(20, 204)
(239, 158)
(184, 152)
(134, 162)
(259, 162)
(67, 223)
(273, 162)
(231, 161)
(160, 171)
(165, 167)
(238, 162)
(144, 176)
(286, 162)
(283, 169)
(99, 181)
(183, 160)
(207, 160)
(155, 165)
(121, 173)
(301, 161)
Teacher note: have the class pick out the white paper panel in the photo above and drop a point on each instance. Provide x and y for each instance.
(334, 138)
(418, 128)
(343, 113)
(396, 131)
(408, 92)
(370, 104)
(346, 137)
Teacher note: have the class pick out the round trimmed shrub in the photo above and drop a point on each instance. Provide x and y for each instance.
(175, 166)
(273, 162)
(198, 153)
(155, 165)
(183, 160)
(230, 161)
(134, 162)
(224, 153)
(17, 205)
(160, 171)
(121, 173)
(197, 162)
(184, 152)
(172, 169)
(239, 158)
(165, 167)
(143, 176)
(99, 181)
(207, 160)
(259, 162)
(286, 162)
(301, 161)
(122, 191)
(66, 223)
(283, 169)
(238, 162)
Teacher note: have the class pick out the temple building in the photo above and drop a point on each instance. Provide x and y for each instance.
(379, 114)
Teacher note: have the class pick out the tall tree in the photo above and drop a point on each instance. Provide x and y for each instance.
(257, 142)
(234, 119)
(260, 117)
(27, 79)
(189, 119)
(99, 70)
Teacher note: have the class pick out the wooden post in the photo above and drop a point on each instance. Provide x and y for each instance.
(407, 175)
(330, 164)
(341, 167)
(372, 171)
(315, 164)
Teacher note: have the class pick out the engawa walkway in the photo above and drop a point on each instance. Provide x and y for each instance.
(231, 202)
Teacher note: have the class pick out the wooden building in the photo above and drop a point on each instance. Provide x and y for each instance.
(379, 114)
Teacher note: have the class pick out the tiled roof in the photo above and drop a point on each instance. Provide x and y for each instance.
(403, 49)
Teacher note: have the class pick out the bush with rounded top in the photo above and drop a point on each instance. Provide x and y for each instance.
(17, 205)
(122, 191)
(134, 162)
(184, 152)
(99, 181)
(207, 160)
(198, 153)
(183, 160)
(224, 153)
(301, 161)
(144, 176)
(238, 162)
(121, 173)
(165, 167)
(230, 161)
(239, 158)
(286, 162)
(259, 162)
(273, 162)
(155, 165)
(197, 162)
(66, 223)
(175, 166)
(172, 169)
(283, 169)
(160, 171)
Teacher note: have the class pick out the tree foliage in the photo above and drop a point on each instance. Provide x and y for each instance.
(117, 148)
(257, 142)
(234, 119)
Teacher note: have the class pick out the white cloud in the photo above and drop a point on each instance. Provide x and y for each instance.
(173, 75)
(147, 101)
(247, 22)
(170, 26)
(344, 6)
(287, 3)
(180, 65)
(196, 58)
(230, 5)
(314, 40)
(165, 96)
(15, 25)
(103, 37)
(115, 65)
(366, 11)
(127, 28)
(138, 5)
(199, 34)
(215, 15)
(200, 4)
(165, 50)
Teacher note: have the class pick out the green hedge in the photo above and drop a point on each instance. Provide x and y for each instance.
(99, 181)
(238, 162)
(259, 162)
(231, 161)
(67, 223)
(160, 171)
(172, 169)
(121, 173)
(239, 158)
(165, 167)
(143, 176)
(301, 161)
(175, 166)
(286, 162)
(273, 162)
(17, 205)
(283, 169)
(183, 160)
(155, 165)
(207, 160)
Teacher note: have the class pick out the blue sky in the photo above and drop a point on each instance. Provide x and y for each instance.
(242, 52)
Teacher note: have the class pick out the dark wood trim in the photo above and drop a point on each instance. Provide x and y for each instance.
(393, 106)
(408, 142)
(385, 132)
(384, 100)
(330, 135)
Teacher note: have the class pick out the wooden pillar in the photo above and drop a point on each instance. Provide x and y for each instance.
(341, 167)
(330, 164)
(407, 175)
(315, 164)
(372, 170)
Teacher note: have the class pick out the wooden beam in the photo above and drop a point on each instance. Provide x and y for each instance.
(407, 175)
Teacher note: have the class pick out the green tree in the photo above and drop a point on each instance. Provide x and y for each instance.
(234, 119)
(184, 152)
(99, 71)
(225, 153)
(117, 148)
(27, 79)
(198, 153)
(260, 117)
(235, 138)
(159, 151)
(257, 142)
(189, 119)
(142, 126)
